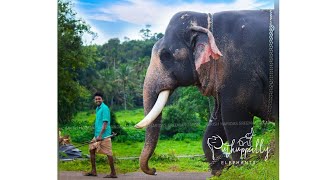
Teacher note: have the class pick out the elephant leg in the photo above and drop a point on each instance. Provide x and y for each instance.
(214, 129)
(237, 123)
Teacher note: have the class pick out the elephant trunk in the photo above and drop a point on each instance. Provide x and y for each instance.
(156, 91)
(153, 130)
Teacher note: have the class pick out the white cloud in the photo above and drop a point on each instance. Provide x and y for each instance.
(101, 17)
(100, 39)
(141, 12)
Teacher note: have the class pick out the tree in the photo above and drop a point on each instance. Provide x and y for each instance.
(188, 113)
(125, 79)
(72, 59)
(146, 33)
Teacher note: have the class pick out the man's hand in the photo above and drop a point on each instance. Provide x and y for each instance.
(99, 138)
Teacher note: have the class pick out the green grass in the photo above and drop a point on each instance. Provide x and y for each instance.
(125, 166)
(129, 149)
(165, 156)
(129, 117)
(261, 170)
(161, 159)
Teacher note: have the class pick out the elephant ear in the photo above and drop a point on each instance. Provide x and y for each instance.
(205, 47)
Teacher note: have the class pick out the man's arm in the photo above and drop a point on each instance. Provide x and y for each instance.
(104, 127)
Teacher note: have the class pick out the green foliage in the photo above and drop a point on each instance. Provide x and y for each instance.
(115, 126)
(63, 154)
(257, 125)
(171, 157)
(115, 68)
(261, 126)
(129, 117)
(120, 72)
(81, 128)
(146, 34)
(79, 133)
(132, 136)
(176, 120)
(165, 160)
(190, 99)
(188, 113)
(189, 136)
(261, 170)
(72, 59)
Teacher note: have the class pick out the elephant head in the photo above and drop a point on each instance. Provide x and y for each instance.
(176, 60)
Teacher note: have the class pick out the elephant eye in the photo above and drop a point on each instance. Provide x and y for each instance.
(165, 55)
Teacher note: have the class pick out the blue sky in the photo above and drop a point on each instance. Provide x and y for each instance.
(124, 18)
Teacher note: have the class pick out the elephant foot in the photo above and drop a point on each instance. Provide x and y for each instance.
(218, 164)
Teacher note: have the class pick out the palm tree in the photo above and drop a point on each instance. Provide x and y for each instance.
(124, 78)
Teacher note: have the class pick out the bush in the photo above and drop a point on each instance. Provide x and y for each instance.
(78, 133)
(115, 126)
(271, 126)
(191, 100)
(188, 113)
(176, 121)
(185, 136)
(81, 128)
(257, 125)
(131, 135)
(171, 157)
(260, 126)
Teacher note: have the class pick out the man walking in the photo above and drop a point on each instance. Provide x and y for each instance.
(100, 144)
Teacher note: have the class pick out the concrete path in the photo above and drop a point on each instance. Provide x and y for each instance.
(70, 175)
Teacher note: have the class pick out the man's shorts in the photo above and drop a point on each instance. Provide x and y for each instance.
(102, 147)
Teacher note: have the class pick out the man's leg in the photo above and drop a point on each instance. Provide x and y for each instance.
(111, 163)
(93, 171)
(93, 161)
(107, 147)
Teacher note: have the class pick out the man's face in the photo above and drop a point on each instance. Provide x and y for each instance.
(98, 100)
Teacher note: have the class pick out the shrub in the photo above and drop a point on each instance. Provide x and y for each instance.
(78, 133)
(131, 135)
(184, 136)
(190, 99)
(260, 126)
(81, 128)
(176, 121)
(271, 126)
(115, 126)
(171, 157)
(257, 125)
(188, 113)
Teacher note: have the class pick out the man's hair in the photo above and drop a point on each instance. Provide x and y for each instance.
(98, 94)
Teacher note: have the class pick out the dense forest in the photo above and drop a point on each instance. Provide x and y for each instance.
(115, 68)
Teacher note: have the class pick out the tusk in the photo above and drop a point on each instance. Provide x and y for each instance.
(156, 110)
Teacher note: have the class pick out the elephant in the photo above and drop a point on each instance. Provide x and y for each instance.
(227, 56)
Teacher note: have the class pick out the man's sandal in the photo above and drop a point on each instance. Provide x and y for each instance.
(110, 176)
(89, 174)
